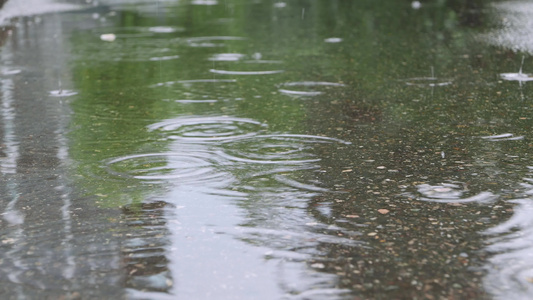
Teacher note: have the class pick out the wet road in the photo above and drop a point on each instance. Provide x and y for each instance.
(310, 150)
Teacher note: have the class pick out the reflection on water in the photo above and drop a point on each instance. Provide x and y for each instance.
(222, 149)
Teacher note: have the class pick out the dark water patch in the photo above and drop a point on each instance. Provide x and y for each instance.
(208, 129)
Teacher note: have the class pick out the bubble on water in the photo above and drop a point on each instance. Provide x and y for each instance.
(280, 4)
(451, 193)
(207, 129)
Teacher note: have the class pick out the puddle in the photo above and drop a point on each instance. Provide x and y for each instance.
(184, 164)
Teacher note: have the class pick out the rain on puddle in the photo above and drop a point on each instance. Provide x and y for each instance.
(234, 149)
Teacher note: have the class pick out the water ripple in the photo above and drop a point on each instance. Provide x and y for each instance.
(510, 270)
(502, 137)
(208, 129)
(200, 89)
(306, 84)
(211, 41)
(276, 149)
(228, 72)
(427, 82)
(451, 193)
(226, 57)
(62, 93)
(192, 168)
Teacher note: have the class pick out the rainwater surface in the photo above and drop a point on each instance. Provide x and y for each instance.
(239, 149)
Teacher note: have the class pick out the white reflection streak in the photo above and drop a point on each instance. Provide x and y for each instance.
(8, 165)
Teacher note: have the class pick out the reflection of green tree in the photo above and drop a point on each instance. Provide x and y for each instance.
(384, 43)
